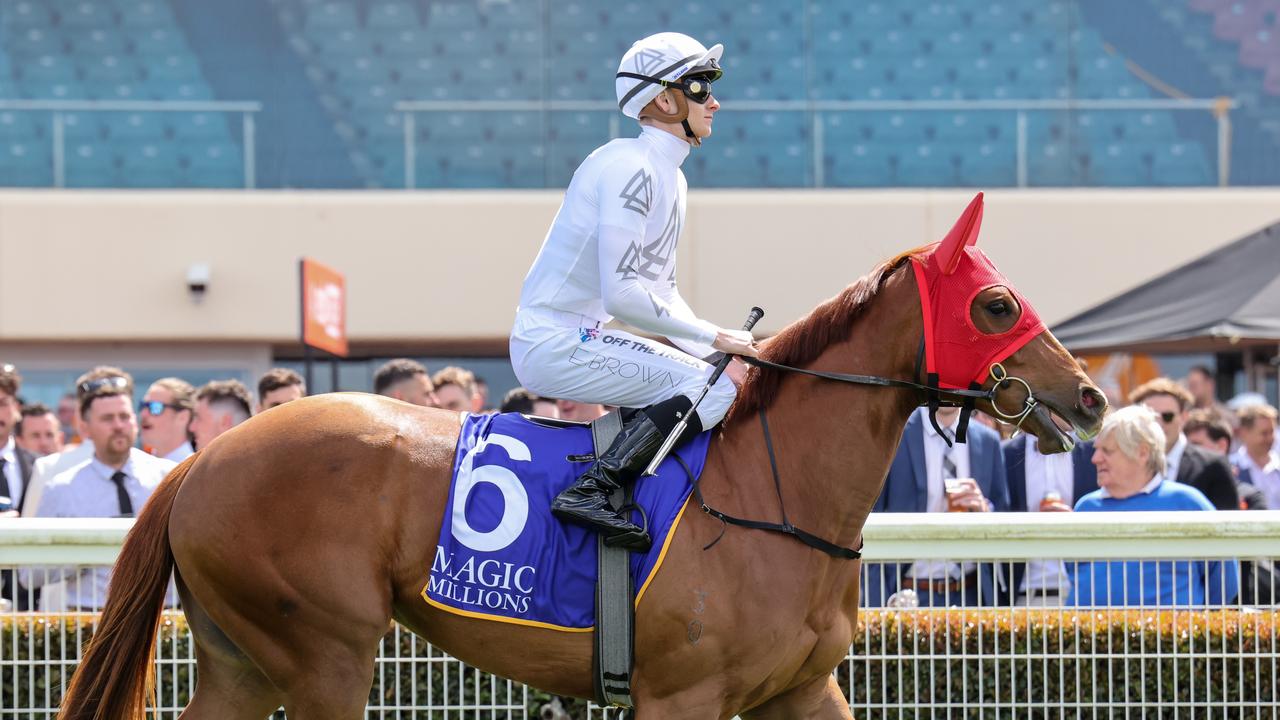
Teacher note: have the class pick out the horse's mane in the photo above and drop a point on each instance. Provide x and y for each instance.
(805, 339)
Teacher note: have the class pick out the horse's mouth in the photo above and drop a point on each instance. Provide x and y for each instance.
(1056, 430)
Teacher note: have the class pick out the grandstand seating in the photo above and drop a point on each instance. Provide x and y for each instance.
(108, 50)
(364, 55)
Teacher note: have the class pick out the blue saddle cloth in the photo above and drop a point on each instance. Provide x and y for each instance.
(502, 556)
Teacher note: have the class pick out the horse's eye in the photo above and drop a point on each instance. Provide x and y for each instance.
(998, 308)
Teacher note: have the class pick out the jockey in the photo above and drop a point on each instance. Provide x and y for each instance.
(611, 253)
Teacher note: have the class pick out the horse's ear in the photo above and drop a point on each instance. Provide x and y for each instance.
(962, 235)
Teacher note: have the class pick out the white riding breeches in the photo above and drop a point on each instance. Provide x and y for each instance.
(588, 363)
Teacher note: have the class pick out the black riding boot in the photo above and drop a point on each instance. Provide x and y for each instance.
(586, 502)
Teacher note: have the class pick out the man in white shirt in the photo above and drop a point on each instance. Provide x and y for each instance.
(115, 482)
(1045, 483)
(1257, 461)
(611, 253)
(164, 416)
(47, 467)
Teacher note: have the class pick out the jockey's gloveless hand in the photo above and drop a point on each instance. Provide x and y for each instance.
(736, 342)
(736, 371)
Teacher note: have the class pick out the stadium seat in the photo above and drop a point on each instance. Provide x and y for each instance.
(1181, 164)
(213, 165)
(86, 14)
(24, 16)
(176, 67)
(146, 15)
(395, 14)
(906, 127)
(925, 165)
(157, 42)
(149, 165)
(988, 165)
(95, 42)
(512, 15)
(1053, 165)
(197, 127)
(25, 164)
(525, 164)
(134, 127)
(788, 165)
(859, 165)
(91, 166)
(110, 70)
(35, 42)
(17, 126)
(1116, 165)
(733, 165)
(935, 17)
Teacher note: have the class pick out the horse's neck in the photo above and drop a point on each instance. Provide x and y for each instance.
(834, 441)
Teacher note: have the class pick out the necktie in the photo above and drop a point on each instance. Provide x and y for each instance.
(948, 465)
(126, 505)
(5, 491)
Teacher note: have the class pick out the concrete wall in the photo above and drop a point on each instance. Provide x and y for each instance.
(445, 267)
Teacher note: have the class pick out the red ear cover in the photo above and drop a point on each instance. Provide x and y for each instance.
(963, 234)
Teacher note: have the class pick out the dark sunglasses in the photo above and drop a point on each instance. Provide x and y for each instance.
(1167, 417)
(114, 381)
(155, 407)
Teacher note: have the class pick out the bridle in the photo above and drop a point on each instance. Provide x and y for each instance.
(935, 396)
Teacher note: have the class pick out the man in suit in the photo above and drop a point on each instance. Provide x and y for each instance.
(918, 481)
(1044, 483)
(15, 472)
(1208, 472)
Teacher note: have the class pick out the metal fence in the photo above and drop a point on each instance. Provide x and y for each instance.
(816, 111)
(57, 110)
(1165, 653)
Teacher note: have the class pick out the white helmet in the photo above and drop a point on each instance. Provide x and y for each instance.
(658, 59)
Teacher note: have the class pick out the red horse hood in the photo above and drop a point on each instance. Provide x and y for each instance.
(950, 274)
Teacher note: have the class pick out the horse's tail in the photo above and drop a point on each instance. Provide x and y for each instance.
(114, 680)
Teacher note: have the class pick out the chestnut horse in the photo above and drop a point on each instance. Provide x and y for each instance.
(298, 536)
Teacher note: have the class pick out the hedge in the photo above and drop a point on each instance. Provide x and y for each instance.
(919, 664)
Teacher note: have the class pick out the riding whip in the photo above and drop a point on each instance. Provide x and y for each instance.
(678, 430)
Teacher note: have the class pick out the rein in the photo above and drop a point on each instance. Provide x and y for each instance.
(935, 396)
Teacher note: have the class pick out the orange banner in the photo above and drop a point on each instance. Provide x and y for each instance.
(324, 308)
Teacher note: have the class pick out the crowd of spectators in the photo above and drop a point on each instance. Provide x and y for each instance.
(1175, 446)
(100, 455)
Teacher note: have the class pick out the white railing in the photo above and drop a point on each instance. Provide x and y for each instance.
(1220, 107)
(1223, 660)
(58, 109)
(888, 536)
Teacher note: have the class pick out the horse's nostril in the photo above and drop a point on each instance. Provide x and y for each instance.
(1092, 399)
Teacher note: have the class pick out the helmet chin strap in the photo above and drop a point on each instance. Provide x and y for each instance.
(681, 115)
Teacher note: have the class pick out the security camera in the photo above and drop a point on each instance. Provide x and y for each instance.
(198, 279)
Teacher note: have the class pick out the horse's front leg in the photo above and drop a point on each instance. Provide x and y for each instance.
(818, 699)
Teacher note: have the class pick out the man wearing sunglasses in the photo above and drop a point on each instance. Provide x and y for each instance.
(163, 415)
(1206, 471)
(611, 253)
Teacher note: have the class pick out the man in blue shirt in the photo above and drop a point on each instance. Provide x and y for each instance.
(1129, 455)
